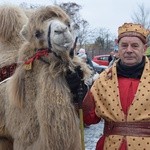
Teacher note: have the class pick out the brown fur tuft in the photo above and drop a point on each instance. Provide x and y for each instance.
(16, 88)
(12, 19)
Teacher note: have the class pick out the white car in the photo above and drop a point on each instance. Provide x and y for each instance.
(99, 68)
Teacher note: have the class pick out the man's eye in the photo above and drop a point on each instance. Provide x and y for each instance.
(124, 45)
(135, 45)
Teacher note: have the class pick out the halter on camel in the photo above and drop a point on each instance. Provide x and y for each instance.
(44, 52)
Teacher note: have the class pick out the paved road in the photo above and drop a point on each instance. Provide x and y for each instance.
(92, 134)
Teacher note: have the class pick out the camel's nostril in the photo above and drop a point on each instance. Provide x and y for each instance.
(66, 28)
(61, 31)
(58, 32)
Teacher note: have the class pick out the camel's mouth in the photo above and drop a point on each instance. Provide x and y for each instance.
(59, 36)
(66, 46)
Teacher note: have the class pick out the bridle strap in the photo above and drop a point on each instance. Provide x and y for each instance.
(49, 43)
(43, 60)
(73, 48)
(49, 38)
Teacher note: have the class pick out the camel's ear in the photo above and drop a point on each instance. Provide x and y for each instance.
(24, 32)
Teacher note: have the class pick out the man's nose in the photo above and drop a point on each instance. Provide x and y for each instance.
(129, 49)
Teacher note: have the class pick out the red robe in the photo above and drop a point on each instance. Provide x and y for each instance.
(127, 90)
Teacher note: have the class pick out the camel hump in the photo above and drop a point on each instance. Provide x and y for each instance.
(12, 20)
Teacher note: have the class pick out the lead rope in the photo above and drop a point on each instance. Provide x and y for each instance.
(80, 91)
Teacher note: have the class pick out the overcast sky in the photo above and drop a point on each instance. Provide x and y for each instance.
(107, 14)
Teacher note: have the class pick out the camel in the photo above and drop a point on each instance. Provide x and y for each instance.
(12, 20)
(37, 111)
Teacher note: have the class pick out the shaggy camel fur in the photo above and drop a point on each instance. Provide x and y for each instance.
(12, 20)
(39, 113)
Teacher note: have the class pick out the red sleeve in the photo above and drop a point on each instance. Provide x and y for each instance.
(88, 106)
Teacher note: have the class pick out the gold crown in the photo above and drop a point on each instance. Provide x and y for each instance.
(130, 27)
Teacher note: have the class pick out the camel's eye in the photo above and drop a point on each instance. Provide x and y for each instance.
(38, 34)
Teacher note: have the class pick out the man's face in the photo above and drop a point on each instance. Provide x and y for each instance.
(131, 50)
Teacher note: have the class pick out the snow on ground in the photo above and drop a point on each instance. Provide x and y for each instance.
(92, 135)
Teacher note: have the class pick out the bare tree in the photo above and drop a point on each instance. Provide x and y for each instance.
(28, 6)
(104, 40)
(72, 9)
(142, 16)
(84, 33)
(81, 26)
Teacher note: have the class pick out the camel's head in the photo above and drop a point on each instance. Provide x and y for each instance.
(49, 27)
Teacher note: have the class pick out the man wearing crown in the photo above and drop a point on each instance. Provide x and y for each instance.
(121, 95)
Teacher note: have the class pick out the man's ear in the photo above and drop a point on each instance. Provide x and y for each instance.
(145, 47)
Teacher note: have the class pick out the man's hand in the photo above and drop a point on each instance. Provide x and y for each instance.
(74, 78)
(76, 83)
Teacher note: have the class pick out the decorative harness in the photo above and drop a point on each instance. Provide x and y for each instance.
(44, 52)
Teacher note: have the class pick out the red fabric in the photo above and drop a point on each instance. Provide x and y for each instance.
(100, 143)
(123, 145)
(7, 71)
(88, 107)
(91, 117)
(127, 90)
(37, 55)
